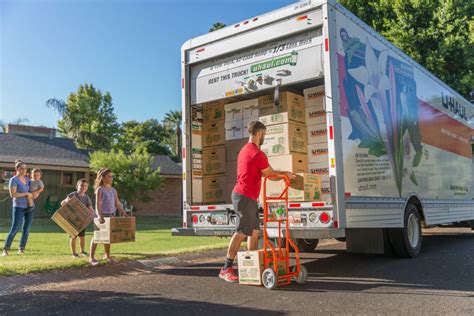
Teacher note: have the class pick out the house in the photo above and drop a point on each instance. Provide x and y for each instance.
(62, 164)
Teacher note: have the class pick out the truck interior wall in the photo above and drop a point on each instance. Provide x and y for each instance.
(219, 132)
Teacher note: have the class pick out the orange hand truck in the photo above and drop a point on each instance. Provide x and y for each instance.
(277, 254)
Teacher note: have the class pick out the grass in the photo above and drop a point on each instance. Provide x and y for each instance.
(48, 245)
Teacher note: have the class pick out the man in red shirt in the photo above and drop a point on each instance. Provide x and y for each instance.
(252, 164)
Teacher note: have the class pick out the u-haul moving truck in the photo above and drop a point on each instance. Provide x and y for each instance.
(397, 140)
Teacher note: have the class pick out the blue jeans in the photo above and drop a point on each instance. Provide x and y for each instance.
(20, 217)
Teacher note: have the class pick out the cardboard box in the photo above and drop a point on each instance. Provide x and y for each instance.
(197, 196)
(318, 153)
(73, 217)
(250, 110)
(317, 133)
(290, 102)
(315, 115)
(212, 111)
(325, 190)
(231, 171)
(233, 130)
(273, 119)
(233, 147)
(214, 189)
(285, 139)
(306, 187)
(233, 112)
(297, 163)
(213, 160)
(245, 125)
(315, 97)
(213, 133)
(114, 230)
(251, 266)
(321, 169)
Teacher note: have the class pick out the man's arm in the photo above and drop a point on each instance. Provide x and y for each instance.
(270, 172)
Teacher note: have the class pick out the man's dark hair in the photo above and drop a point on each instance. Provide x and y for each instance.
(256, 126)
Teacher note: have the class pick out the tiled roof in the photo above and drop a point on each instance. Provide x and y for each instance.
(166, 165)
(42, 151)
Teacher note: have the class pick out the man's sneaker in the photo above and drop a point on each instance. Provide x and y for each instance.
(229, 275)
(5, 253)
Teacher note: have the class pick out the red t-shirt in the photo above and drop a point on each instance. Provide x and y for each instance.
(250, 163)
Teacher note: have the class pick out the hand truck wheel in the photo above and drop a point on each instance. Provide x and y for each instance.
(302, 277)
(269, 279)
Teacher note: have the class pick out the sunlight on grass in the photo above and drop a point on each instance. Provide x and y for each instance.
(48, 246)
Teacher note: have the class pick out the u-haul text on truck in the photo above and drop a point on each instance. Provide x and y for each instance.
(382, 146)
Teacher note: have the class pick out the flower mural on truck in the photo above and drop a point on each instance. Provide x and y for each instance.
(382, 106)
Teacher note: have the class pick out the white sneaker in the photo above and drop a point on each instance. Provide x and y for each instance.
(5, 253)
(21, 252)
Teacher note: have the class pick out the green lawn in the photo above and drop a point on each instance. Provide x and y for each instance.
(48, 245)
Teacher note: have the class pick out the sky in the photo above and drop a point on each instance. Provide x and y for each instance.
(130, 48)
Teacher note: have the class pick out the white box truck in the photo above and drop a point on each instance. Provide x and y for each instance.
(394, 146)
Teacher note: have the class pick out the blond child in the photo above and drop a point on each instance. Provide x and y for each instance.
(36, 187)
(106, 204)
(81, 186)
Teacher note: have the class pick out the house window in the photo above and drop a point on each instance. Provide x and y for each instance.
(6, 175)
(67, 178)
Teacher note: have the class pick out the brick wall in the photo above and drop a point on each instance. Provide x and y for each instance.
(166, 201)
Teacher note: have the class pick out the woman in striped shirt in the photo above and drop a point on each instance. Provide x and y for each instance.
(106, 204)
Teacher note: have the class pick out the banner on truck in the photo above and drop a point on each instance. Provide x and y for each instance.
(291, 59)
(403, 132)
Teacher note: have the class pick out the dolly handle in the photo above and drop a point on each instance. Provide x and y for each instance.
(276, 177)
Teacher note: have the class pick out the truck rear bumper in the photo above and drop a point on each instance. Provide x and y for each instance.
(307, 233)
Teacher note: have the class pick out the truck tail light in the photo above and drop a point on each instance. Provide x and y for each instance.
(324, 217)
(195, 219)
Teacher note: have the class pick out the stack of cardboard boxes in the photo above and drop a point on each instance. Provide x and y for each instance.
(209, 160)
(317, 136)
(286, 146)
(237, 117)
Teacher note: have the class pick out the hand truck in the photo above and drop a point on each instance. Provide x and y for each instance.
(278, 253)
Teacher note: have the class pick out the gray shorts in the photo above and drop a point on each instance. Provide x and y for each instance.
(247, 214)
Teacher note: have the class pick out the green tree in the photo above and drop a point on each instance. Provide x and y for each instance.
(134, 179)
(217, 26)
(149, 135)
(438, 34)
(173, 121)
(87, 117)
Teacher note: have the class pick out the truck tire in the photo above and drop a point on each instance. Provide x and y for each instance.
(406, 241)
(306, 245)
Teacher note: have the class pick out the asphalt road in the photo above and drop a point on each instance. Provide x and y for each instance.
(440, 281)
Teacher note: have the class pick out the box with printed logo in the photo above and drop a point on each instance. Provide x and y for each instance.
(290, 103)
(73, 217)
(213, 133)
(197, 162)
(214, 189)
(233, 112)
(285, 139)
(315, 115)
(318, 153)
(213, 160)
(213, 111)
(315, 97)
(306, 187)
(234, 130)
(317, 133)
(114, 230)
(251, 266)
(250, 110)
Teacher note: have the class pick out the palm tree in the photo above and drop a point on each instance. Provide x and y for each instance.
(173, 120)
(216, 26)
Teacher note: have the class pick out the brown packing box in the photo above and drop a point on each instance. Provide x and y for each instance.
(214, 189)
(114, 230)
(213, 160)
(285, 139)
(251, 266)
(197, 162)
(306, 187)
(213, 133)
(233, 148)
(197, 197)
(297, 163)
(213, 111)
(73, 217)
(290, 102)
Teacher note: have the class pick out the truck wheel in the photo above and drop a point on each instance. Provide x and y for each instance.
(307, 245)
(406, 241)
